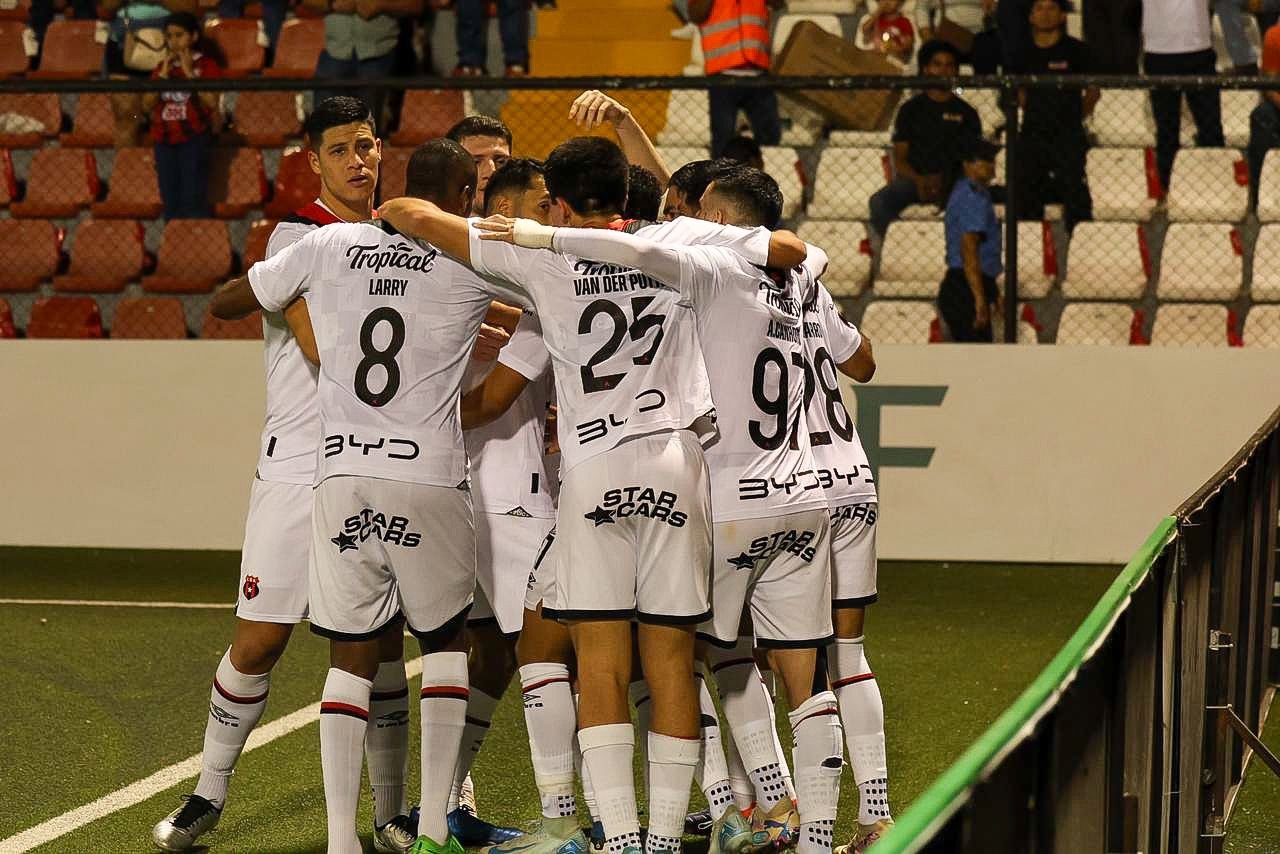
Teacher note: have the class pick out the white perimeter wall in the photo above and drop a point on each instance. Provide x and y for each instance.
(1038, 453)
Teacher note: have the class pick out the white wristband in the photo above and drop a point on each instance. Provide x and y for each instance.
(532, 234)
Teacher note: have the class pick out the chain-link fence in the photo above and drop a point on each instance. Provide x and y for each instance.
(1135, 225)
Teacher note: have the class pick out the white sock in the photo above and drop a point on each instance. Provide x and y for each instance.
(744, 791)
(818, 751)
(344, 720)
(443, 702)
(236, 703)
(862, 713)
(771, 691)
(550, 717)
(608, 751)
(480, 708)
(671, 764)
(386, 744)
(712, 771)
(746, 706)
(588, 791)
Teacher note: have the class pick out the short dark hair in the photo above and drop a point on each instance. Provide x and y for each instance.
(183, 20)
(590, 173)
(932, 48)
(514, 176)
(644, 196)
(755, 194)
(438, 171)
(692, 178)
(479, 126)
(335, 112)
(743, 149)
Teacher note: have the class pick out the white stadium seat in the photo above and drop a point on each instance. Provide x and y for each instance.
(850, 267)
(1200, 261)
(1096, 323)
(1190, 325)
(1106, 260)
(1123, 118)
(687, 122)
(827, 7)
(899, 321)
(801, 124)
(1237, 104)
(922, 213)
(861, 138)
(787, 22)
(987, 103)
(1262, 326)
(1269, 188)
(1118, 183)
(783, 166)
(846, 178)
(913, 260)
(1204, 186)
(1037, 268)
(1266, 266)
(675, 156)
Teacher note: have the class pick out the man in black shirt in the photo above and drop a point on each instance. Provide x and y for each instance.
(1053, 139)
(929, 130)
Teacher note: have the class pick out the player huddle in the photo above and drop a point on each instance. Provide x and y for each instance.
(708, 511)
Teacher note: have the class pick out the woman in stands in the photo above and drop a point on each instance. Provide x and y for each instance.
(968, 298)
(133, 50)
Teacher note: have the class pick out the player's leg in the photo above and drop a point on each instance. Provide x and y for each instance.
(344, 722)
(387, 744)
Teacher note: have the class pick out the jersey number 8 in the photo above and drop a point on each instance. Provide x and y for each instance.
(373, 357)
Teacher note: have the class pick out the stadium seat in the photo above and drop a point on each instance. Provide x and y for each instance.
(428, 114)
(675, 156)
(93, 124)
(1200, 261)
(149, 317)
(1208, 185)
(32, 119)
(255, 243)
(686, 124)
(8, 182)
(1123, 183)
(1107, 260)
(831, 7)
(195, 255)
(1269, 188)
(850, 254)
(33, 251)
(1190, 325)
(900, 322)
(1262, 326)
(71, 52)
(60, 183)
(13, 54)
(65, 317)
(913, 260)
(298, 49)
(987, 103)
(860, 138)
(295, 185)
(7, 328)
(1097, 323)
(245, 329)
(15, 10)
(134, 189)
(783, 165)
(845, 179)
(1237, 104)
(1037, 259)
(238, 40)
(1123, 119)
(785, 23)
(391, 174)
(268, 119)
(1266, 265)
(106, 255)
(237, 182)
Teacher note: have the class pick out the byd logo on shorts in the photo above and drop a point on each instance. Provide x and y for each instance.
(370, 523)
(798, 543)
(658, 505)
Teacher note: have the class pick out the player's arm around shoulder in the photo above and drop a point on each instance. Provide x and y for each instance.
(786, 250)
(422, 219)
(271, 284)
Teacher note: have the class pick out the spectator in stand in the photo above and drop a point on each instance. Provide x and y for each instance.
(744, 149)
(971, 15)
(735, 43)
(968, 296)
(273, 15)
(360, 38)
(42, 12)
(888, 31)
(182, 123)
(1234, 16)
(1177, 38)
(1264, 121)
(1053, 138)
(644, 196)
(1111, 32)
(488, 141)
(473, 37)
(134, 49)
(930, 128)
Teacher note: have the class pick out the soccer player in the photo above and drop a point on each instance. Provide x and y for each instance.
(488, 141)
(685, 189)
(344, 151)
(392, 525)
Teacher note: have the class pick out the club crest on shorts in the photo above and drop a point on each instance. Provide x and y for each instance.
(656, 504)
(393, 530)
(250, 586)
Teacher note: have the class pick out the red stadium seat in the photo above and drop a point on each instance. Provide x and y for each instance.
(149, 317)
(65, 317)
(245, 329)
(238, 40)
(296, 185)
(18, 10)
(8, 183)
(391, 172)
(428, 114)
(298, 50)
(43, 112)
(195, 255)
(255, 244)
(7, 329)
(13, 55)
(268, 119)
(237, 182)
(70, 52)
(61, 182)
(33, 251)
(94, 123)
(106, 255)
(134, 192)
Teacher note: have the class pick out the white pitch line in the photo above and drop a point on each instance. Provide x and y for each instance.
(165, 778)
(119, 603)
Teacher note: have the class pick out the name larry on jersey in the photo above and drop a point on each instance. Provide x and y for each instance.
(388, 287)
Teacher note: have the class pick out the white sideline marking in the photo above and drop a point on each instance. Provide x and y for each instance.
(119, 603)
(165, 778)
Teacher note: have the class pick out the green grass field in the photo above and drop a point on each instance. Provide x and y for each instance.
(101, 697)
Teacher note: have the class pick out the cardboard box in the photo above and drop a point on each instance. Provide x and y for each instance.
(811, 51)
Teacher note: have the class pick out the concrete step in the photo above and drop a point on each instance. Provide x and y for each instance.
(582, 57)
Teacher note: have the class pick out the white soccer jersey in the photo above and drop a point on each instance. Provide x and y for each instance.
(394, 322)
(291, 430)
(842, 463)
(623, 347)
(508, 474)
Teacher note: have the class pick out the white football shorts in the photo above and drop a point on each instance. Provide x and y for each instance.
(541, 586)
(853, 555)
(277, 544)
(382, 548)
(506, 549)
